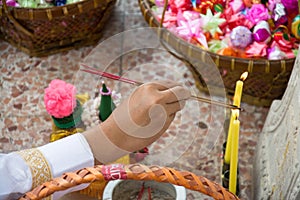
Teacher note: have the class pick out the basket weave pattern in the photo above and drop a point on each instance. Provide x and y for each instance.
(267, 79)
(133, 172)
(44, 31)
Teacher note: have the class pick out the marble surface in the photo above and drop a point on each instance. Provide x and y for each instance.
(194, 140)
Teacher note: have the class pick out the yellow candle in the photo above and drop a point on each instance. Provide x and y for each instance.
(238, 93)
(228, 142)
(238, 90)
(237, 102)
(234, 156)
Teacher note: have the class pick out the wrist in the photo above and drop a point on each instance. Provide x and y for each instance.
(121, 138)
(103, 149)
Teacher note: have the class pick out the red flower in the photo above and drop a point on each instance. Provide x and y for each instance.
(176, 5)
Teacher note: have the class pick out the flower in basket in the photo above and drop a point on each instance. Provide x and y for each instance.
(12, 3)
(255, 28)
(60, 102)
(180, 5)
(211, 23)
(257, 13)
(38, 4)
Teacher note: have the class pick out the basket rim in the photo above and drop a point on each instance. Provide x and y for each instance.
(130, 172)
(277, 66)
(49, 13)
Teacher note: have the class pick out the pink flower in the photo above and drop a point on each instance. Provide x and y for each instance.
(237, 5)
(191, 31)
(257, 13)
(170, 19)
(256, 50)
(275, 53)
(60, 98)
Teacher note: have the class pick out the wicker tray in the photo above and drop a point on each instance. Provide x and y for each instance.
(267, 79)
(45, 31)
(132, 172)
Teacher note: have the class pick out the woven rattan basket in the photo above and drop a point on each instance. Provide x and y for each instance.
(131, 172)
(267, 79)
(45, 31)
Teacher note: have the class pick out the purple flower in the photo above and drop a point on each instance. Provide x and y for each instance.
(291, 6)
(11, 3)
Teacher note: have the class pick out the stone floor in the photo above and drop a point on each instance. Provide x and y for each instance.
(194, 140)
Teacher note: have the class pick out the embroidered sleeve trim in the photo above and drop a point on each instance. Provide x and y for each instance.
(40, 169)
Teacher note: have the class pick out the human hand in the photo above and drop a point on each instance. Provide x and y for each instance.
(146, 114)
(138, 121)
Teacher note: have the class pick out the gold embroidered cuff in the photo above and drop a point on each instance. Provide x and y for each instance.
(40, 169)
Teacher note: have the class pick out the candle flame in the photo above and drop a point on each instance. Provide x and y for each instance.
(244, 76)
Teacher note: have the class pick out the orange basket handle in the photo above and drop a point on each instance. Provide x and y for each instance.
(131, 172)
(14, 21)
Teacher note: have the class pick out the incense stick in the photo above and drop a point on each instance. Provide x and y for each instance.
(92, 70)
(109, 75)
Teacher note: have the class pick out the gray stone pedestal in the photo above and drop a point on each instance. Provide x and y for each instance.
(277, 170)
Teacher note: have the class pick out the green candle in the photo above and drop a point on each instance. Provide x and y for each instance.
(107, 105)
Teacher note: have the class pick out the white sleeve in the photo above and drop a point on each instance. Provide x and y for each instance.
(15, 176)
(27, 169)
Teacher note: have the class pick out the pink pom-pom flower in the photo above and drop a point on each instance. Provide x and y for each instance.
(60, 98)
